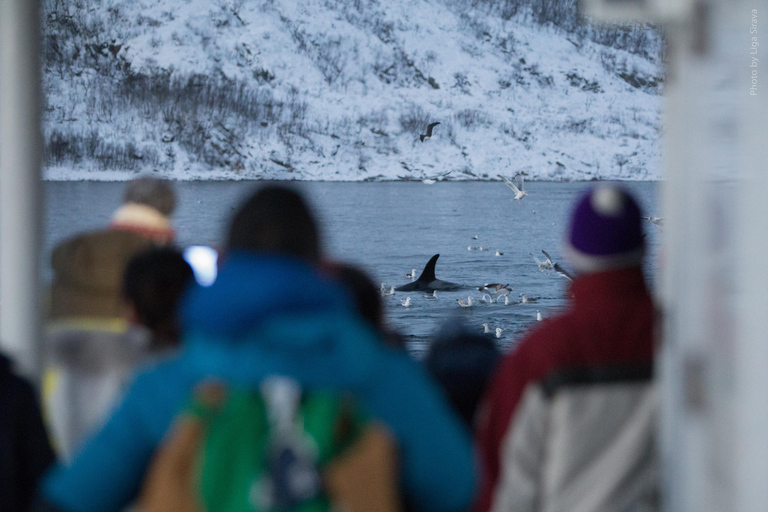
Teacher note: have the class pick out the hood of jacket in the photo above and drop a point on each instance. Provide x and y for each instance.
(269, 315)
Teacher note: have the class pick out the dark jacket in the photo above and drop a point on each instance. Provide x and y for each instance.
(25, 452)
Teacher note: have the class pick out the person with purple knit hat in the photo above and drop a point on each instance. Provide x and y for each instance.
(568, 422)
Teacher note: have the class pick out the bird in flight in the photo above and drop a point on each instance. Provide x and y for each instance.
(516, 188)
(428, 136)
(543, 264)
(657, 221)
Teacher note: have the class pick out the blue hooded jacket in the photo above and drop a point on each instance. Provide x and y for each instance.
(263, 316)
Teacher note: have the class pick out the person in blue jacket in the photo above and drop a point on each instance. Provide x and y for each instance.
(271, 312)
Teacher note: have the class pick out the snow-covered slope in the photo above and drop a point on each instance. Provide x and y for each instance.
(340, 90)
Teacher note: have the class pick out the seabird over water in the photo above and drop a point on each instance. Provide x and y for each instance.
(465, 304)
(428, 136)
(657, 221)
(517, 189)
(562, 272)
(495, 288)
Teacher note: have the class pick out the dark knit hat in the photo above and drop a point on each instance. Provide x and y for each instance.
(605, 231)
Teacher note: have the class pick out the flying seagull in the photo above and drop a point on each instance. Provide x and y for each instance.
(657, 221)
(562, 272)
(518, 190)
(496, 288)
(428, 136)
(488, 299)
(543, 264)
(431, 180)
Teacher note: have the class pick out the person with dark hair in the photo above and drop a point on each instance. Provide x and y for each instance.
(87, 331)
(366, 298)
(153, 284)
(25, 452)
(272, 312)
(462, 362)
(275, 220)
(569, 420)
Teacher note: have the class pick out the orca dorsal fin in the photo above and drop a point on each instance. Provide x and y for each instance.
(428, 274)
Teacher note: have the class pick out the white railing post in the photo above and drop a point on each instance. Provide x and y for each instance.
(20, 204)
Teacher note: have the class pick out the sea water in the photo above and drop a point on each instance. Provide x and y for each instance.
(389, 228)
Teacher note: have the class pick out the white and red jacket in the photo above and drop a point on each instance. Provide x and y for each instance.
(569, 419)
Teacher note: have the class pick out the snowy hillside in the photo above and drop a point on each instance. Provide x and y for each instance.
(341, 90)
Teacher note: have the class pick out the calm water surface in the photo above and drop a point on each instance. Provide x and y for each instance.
(388, 229)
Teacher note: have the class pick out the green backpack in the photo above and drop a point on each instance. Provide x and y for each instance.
(264, 451)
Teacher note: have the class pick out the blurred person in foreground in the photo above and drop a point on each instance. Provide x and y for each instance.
(462, 362)
(25, 452)
(569, 419)
(90, 347)
(270, 312)
(153, 285)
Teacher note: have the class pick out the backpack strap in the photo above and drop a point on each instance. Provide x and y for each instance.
(366, 477)
(170, 482)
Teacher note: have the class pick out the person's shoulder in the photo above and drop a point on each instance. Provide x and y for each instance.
(157, 370)
(100, 239)
(541, 350)
(156, 391)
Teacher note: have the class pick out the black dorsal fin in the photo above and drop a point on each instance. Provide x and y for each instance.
(428, 274)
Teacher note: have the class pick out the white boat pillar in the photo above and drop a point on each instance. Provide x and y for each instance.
(714, 360)
(21, 151)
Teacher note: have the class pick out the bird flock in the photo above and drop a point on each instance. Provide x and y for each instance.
(496, 293)
(489, 293)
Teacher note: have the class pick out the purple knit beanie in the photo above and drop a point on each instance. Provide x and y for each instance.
(605, 231)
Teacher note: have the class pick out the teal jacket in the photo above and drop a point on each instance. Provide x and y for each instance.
(264, 316)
